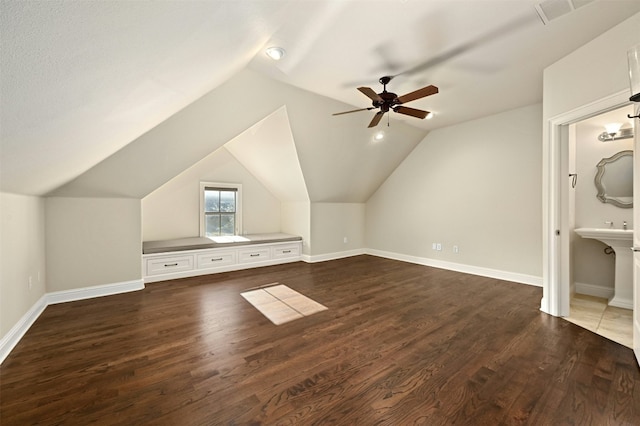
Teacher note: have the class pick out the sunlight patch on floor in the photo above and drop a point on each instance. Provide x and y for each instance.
(281, 304)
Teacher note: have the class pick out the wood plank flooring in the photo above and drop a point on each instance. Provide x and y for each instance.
(399, 344)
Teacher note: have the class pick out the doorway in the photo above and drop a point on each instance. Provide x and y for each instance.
(592, 262)
(557, 272)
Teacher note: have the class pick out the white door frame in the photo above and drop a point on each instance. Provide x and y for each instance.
(555, 239)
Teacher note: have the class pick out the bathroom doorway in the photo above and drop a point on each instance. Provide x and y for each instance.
(597, 144)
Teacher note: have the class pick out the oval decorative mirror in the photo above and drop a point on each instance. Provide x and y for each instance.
(614, 179)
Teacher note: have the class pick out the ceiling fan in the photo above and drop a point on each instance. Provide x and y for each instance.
(386, 101)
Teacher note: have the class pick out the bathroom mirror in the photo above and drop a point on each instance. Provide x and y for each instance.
(614, 179)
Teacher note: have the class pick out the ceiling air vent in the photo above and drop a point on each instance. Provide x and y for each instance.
(551, 9)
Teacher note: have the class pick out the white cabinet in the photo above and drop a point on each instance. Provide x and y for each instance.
(182, 264)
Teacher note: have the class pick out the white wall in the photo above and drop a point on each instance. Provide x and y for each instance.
(22, 256)
(173, 210)
(476, 185)
(331, 223)
(92, 242)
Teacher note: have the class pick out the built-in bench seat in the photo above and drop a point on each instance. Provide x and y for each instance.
(185, 257)
(195, 243)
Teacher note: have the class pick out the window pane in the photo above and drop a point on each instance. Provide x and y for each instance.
(212, 225)
(227, 224)
(227, 201)
(211, 201)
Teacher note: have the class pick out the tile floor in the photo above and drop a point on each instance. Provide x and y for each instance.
(595, 315)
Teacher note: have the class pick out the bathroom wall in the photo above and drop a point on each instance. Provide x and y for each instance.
(593, 269)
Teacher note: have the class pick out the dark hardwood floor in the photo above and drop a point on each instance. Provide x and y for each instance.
(400, 344)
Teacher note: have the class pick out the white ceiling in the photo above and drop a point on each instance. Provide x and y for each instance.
(81, 80)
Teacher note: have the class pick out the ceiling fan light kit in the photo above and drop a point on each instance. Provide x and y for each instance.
(389, 101)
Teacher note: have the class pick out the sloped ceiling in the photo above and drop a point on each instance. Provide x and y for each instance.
(339, 159)
(268, 151)
(83, 79)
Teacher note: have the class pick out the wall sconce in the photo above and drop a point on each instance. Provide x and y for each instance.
(614, 132)
(633, 56)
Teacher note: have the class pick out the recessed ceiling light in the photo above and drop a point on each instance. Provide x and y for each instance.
(429, 116)
(378, 136)
(276, 53)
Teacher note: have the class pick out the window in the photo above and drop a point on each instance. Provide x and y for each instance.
(220, 212)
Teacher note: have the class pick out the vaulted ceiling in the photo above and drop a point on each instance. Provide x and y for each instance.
(85, 86)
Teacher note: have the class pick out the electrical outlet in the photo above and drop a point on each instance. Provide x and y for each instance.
(434, 246)
(456, 250)
(439, 247)
(346, 240)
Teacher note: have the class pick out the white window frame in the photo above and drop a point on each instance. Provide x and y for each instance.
(238, 188)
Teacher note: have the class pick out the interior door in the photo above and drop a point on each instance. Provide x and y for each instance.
(636, 237)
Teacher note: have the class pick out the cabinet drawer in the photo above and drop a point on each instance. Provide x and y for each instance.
(289, 250)
(212, 260)
(165, 265)
(253, 255)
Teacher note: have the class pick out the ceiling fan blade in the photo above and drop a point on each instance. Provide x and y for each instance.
(368, 91)
(418, 113)
(420, 93)
(376, 119)
(354, 110)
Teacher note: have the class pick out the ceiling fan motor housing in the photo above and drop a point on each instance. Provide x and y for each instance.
(389, 99)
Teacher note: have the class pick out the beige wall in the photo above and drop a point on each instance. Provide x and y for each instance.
(173, 210)
(22, 256)
(295, 219)
(332, 222)
(92, 241)
(476, 185)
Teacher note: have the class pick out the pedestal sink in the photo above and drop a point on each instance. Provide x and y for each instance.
(621, 241)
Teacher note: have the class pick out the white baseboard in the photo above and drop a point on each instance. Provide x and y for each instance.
(332, 256)
(459, 267)
(13, 336)
(620, 302)
(11, 339)
(594, 290)
(92, 292)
